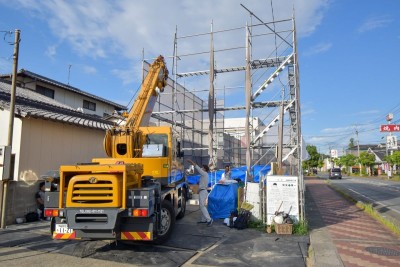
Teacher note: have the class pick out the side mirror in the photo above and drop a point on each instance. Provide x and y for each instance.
(179, 152)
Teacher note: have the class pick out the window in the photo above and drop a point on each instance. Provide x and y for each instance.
(89, 105)
(155, 142)
(45, 91)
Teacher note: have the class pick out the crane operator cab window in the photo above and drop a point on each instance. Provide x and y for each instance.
(155, 146)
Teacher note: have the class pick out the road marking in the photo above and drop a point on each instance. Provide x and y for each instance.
(378, 202)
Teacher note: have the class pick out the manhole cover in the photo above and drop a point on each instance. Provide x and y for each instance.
(383, 251)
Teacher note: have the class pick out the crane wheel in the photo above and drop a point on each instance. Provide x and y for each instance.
(181, 214)
(167, 222)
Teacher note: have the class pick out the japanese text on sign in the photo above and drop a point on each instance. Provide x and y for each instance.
(390, 128)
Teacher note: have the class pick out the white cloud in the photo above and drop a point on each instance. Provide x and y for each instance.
(309, 15)
(89, 69)
(307, 111)
(5, 66)
(103, 27)
(374, 23)
(368, 112)
(51, 51)
(345, 129)
(123, 29)
(318, 49)
(127, 76)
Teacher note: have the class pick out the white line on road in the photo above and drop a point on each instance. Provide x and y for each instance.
(375, 201)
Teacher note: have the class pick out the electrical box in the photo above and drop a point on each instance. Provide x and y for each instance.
(5, 162)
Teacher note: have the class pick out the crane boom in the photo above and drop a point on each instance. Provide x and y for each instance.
(153, 84)
(126, 140)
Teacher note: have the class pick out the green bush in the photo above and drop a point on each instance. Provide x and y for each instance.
(300, 228)
(258, 224)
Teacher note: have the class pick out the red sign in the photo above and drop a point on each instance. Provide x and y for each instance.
(390, 128)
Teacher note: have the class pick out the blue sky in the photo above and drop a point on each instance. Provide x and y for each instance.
(348, 51)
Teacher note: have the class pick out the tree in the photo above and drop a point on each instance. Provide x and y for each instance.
(348, 160)
(351, 144)
(314, 159)
(336, 161)
(393, 159)
(367, 160)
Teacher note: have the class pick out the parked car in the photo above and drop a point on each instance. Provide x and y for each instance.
(335, 173)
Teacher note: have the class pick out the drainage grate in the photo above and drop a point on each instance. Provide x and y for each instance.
(383, 251)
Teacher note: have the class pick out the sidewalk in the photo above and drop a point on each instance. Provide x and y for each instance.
(342, 234)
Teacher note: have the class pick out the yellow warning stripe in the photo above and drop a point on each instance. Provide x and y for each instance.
(136, 235)
(65, 236)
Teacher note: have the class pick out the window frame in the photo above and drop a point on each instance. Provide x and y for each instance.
(89, 105)
(45, 91)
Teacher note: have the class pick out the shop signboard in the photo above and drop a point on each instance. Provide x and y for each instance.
(390, 128)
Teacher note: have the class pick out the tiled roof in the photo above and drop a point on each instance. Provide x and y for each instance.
(31, 104)
(381, 154)
(41, 78)
(365, 147)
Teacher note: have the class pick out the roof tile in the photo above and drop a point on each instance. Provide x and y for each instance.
(31, 104)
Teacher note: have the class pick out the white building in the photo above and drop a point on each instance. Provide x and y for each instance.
(46, 134)
(66, 94)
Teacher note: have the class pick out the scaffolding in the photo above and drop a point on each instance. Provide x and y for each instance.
(245, 114)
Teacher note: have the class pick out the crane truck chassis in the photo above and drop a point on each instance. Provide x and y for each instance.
(136, 193)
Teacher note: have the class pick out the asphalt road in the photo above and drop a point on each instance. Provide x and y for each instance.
(30, 244)
(383, 194)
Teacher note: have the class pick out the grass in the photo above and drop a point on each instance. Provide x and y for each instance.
(300, 228)
(395, 177)
(369, 209)
(258, 225)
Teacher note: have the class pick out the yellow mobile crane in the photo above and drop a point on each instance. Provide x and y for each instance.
(136, 193)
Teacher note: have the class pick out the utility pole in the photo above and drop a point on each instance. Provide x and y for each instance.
(389, 118)
(11, 122)
(358, 150)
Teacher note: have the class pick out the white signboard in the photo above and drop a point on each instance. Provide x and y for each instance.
(334, 153)
(283, 192)
(391, 142)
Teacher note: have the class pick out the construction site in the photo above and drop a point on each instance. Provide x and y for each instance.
(243, 108)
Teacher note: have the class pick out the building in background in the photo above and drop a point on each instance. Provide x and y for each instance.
(63, 93)
(46, 135)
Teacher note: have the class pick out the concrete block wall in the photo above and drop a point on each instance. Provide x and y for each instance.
(20, 200)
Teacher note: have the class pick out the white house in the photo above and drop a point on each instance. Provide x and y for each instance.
(46, 134)
(64, 93)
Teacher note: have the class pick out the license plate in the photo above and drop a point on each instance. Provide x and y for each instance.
(63, 229)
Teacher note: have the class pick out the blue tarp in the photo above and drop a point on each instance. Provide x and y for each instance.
(236, 173)
(222, 200)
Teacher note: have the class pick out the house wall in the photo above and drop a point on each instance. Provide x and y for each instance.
(69, 98)
(16, 140)
(75, 100)
(45, 145)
